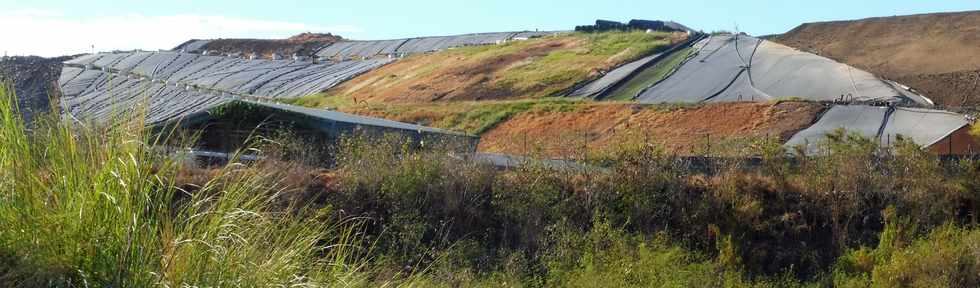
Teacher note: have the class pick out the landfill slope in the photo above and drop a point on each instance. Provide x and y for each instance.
(934, 53)
(727, 68)
(883, 125)
(408, 46)
(171, 85)
(534, 68)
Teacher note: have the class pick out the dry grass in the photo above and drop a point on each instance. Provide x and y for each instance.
(521, 69)
(558, 127)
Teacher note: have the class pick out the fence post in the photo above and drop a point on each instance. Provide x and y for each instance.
(525, 144)
(707, 153)
(950, 141)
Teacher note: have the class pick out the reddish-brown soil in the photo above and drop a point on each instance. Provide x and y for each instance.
(934, 53)
(722, 128)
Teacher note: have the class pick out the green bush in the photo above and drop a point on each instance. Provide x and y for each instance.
(946, 257)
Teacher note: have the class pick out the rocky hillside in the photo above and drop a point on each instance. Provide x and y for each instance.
(34, 79)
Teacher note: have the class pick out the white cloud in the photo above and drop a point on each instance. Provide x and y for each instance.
(49, 33)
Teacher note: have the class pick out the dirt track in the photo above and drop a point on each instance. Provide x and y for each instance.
(934, 53)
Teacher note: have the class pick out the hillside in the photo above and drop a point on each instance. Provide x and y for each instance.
(519, 69)
(34, 80)
(304, 44)
(614, 156)
(691, 130)
(933, 53)
(555, 127)
(501, 92)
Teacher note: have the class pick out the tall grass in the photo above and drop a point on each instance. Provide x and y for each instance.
(91, 205)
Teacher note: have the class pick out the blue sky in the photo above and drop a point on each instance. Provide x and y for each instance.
(55, 27)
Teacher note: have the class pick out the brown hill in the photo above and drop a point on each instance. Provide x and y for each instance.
(934, 53)
(304, 44)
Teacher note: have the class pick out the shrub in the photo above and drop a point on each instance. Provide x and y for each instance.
(946, 257)
(785, 218)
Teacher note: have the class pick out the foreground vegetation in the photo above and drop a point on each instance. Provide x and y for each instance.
(91, 206)
(87, 206)
(855, 218)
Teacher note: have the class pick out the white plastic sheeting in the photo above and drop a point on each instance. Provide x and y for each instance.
(609, 82)
(742, 68)
(618, 75)
(349, 49)
(109, 95)
(924, 126)
(883, 124)
(263, 78)
(367, 49)
(176, 84)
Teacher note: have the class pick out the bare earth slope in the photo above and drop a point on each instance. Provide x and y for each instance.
(934, 53)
